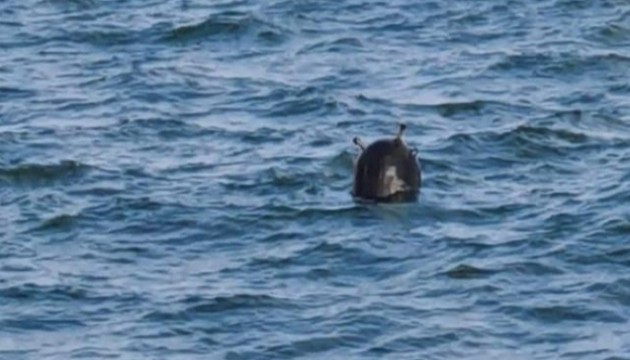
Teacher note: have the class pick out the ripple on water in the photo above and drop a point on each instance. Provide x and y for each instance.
(230, 25)
(42, 174)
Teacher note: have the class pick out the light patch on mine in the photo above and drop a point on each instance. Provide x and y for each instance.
(392, 183)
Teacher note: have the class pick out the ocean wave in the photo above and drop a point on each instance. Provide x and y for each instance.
(302, 101)
(14, 93)
(194, 306)
(464, 271)
(40, 323)
(35, 292)
(409, 344)
(41, 174)
(165, 128)
(552, 314)
(612, 33)
(59, 222)
(307, 345)
(230, 24)
(340, 45)
(520, 143)
(562, 64)
(450, 109)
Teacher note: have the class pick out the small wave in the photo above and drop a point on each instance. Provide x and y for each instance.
(321, 253)
(230, 24)
(348, 254)
(455, 108)
(432, 164)
(517, 62)
(617, 291)
(302, 102)
(13, 93)
(271, 179)
(195, 306)
(440, 212)
(286, 179)
(159, 127)
(523, 141)
(406, 343)
(35, 174)
(264, 134)
(311, 345)
(382, 106)
(532, 268)
(618, 256)
(389, 22)
(93, 352)
(562, 64)
(620, 226)
(341, 163)
(341, 45)
(105, 37)
(555, 314)
(134, 210)
(613, 33)
(75, 5)
(283, 101)
(59, 222)
(464, 271)
(451, 109)
(39, 323)
(305, 213)
(44, 292)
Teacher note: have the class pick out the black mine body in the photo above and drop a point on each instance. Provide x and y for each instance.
(386, 171)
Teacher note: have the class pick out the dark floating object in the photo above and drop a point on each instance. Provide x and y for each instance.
(386, 171)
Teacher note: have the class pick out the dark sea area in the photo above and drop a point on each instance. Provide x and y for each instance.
(175, 179)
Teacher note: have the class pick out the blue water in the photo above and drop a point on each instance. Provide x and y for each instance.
(175, 178)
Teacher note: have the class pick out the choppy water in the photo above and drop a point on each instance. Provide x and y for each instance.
(175, 177)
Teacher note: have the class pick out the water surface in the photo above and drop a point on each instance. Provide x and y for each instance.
(175, 177)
